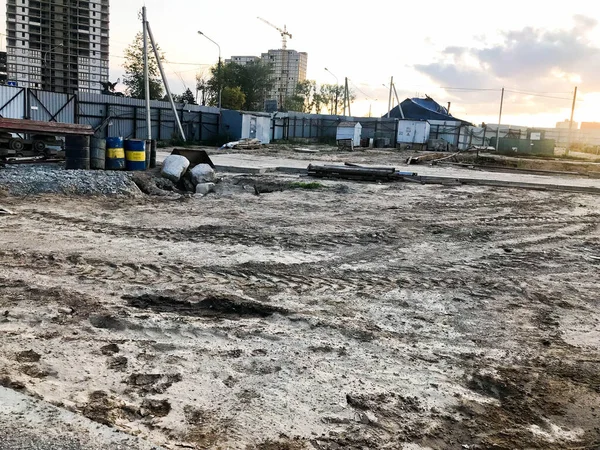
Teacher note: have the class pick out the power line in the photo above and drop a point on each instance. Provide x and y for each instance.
(467, 89)
(537, 95)
(359, 90)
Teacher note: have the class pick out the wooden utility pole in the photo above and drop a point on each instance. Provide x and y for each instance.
(390, 100)
(571, 122)
(398, 100)
(146, 76)
(499, 121)
(347, 96)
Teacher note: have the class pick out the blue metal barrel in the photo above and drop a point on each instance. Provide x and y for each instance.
(135, 154)
(115, 154)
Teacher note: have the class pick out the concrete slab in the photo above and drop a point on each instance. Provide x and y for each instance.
(253, 164)
(241, 161)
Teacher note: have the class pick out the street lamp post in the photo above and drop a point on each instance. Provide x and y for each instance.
(218, 66)
(336, 89)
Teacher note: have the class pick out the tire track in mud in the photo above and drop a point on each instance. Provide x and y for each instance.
(250, 277)
(300, 278)
(231, 235)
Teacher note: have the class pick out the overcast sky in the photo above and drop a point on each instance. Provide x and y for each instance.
(529, 47)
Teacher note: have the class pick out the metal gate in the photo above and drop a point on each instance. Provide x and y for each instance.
(51, 106)
(12, 102)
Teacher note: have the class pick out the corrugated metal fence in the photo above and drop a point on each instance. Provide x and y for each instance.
(127, 117)
(324, 127)
(124, 116)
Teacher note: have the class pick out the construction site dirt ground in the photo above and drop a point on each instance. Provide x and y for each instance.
(343, 315)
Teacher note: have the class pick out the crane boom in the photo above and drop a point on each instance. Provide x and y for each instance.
(284, 33)
(283, 86)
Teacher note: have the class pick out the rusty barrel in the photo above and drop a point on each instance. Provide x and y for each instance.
(97, 153)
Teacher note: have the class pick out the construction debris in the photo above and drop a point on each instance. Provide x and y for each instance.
(194, 156)
(34, 179)
(174, 167)
(205, 188)
(244, 144)
(359, 173)
(202, 173)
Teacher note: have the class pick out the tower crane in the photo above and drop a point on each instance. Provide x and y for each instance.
(284, 74)
(284, 33)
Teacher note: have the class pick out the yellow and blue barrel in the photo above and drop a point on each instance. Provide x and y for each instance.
(135, 154)
(115, 154)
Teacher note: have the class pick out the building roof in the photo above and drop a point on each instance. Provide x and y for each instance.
(423, 109)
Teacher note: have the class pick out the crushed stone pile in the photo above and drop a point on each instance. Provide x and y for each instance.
(22, 180)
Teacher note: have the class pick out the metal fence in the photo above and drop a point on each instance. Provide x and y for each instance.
(127, 117)
(124, 116)
(287, 126)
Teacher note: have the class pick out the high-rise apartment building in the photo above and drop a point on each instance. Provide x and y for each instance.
(3, 74)
(58, 45)
(242, 60)
(288, 68)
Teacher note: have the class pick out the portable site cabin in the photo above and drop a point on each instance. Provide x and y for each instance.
(349, 131)
(413, 133)
(246, 125)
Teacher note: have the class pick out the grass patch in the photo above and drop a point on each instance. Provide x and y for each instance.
(303, 185)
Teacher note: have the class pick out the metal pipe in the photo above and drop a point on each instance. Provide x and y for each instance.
(164, 78)
(147, 76)
(219, 88)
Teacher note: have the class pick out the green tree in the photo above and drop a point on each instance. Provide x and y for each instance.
(305, 98)
(187, 97)
(202, 86)
(329, 93)
(254, 80)
(233, 98)
(134, 71)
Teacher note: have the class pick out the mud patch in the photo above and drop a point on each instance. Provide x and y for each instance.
(109, 349)
(157, 408)
(118, 363)
(147, 383)
(549, 397)
(105, 409)
(210, 306)
(28, 356)
(205, 428)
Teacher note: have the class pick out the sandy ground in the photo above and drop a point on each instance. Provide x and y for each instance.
(353, 316)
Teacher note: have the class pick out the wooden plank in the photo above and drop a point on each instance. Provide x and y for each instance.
(49, 128)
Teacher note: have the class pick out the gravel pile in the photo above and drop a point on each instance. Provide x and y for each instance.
(54, 179)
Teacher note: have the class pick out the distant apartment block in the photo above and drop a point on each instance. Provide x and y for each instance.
(3, 68)
(590, 125)
(288, 68)
(242, 60)
(58, 45)
(566, 124)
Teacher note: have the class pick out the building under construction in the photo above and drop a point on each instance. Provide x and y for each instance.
(288, 68)
(58, 45)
